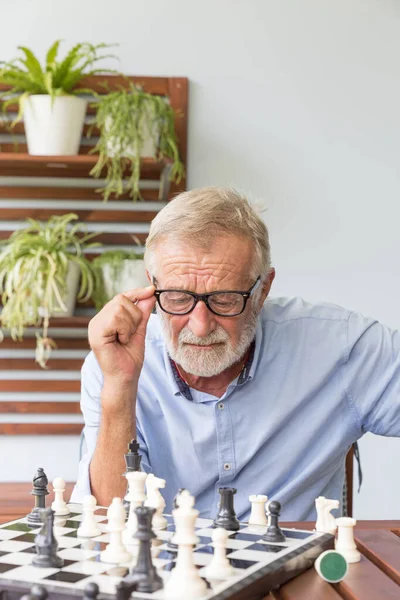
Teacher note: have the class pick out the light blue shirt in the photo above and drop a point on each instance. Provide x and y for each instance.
(321, 376)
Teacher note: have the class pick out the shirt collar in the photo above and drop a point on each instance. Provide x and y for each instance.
(180, 387)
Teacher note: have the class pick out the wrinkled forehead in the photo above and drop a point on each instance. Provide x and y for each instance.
(223, 261)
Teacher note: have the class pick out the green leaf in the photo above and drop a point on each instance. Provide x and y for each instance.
(52, 54)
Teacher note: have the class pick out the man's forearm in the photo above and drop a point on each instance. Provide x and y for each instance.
(117, 428)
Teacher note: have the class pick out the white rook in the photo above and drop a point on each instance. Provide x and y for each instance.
(258, 514)
(345, 543)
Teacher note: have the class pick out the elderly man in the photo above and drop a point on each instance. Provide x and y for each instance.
(224, 386)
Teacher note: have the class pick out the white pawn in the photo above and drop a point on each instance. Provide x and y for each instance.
(155, 500)
(220, 567)
(345, 543)
(258, 515)
(88, 527)
(59, 506)
(136, 496)
(115, 551)
(185, 581)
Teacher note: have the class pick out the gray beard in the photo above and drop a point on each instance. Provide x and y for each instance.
(215, 360)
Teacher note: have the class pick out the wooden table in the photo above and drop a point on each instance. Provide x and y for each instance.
(376, 577)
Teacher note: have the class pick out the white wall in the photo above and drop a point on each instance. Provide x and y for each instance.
(294, 102)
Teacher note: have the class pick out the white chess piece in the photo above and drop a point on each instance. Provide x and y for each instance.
(155, 500)
(115, 551)
(326, 523)
(220, 567)
(88, 527)
(185, 581)
(136, 496)
(258, 515)
(345, 543)
(59, 505)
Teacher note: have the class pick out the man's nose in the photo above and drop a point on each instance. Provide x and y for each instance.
(201, 320)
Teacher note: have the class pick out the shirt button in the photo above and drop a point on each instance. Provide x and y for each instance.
(221, 405)
(227, 466)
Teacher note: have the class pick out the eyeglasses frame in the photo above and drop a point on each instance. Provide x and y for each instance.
(205, 297)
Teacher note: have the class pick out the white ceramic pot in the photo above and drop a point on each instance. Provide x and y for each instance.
(132, 275)
(54, 128)
(69, 298)
(148, 148)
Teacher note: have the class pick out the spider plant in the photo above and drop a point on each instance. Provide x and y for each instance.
(34, 265)
(125, 117)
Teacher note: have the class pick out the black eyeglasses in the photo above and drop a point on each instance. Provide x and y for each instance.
(223, 304)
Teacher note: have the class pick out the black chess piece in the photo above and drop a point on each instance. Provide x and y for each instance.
(132, 463)
(46, 544)
(37, 592)
(226, 516)
(91, 591)
(143, 577)
(170, 544)
(274, 533)
(40, 491)
(124, 590)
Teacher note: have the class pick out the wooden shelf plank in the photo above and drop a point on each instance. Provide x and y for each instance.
(87, 215)
(42, 408)
(29, 364)
(14, 164)
(70, 193)
(115, 239)
(40, 385)
(30, 344)
(40, 428)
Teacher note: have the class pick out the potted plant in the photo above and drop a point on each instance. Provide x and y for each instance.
(117, 271)
(40, 267)
(133, 124)
(52, 112)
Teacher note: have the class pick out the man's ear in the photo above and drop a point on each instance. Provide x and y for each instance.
(267, 286)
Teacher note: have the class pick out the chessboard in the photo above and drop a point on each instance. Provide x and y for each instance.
(258, 566)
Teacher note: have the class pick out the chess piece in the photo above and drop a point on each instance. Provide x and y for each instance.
(331, 566)
(155, 500)
(171, 542)
(37, 592)
(258, 515)
(136, 496)
(59, 505)
(132, 463)
(185, 581)
(91, 591)
(45, 543)
(226, 517)
(88, 527)
(274, 533)
(115, 551)
(326, 523)
(143, 577)
(40, 492)
(345, 543)
(219, 567)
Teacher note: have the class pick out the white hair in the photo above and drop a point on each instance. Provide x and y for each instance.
(200, 215)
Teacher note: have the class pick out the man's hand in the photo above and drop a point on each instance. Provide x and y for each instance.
(117, 335)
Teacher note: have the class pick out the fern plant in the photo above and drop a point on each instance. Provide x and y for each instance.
(125, 118)
(26, 76)
(34, 264)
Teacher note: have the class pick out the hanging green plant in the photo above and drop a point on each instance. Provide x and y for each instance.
(126, 118)
(34, 266)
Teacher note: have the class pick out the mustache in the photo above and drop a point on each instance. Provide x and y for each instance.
(217, 336)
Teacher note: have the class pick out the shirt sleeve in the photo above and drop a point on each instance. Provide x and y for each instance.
(91, 387)
(373, 375)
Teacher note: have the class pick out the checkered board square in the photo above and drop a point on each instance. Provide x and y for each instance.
(258, 566)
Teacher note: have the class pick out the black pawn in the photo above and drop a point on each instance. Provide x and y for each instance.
(144, 576)
(37, 592)
(274, 533)
(46, 544)
(132, 463)
(40, 491)
(226, 516)
(91, 591)
(170, 544)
